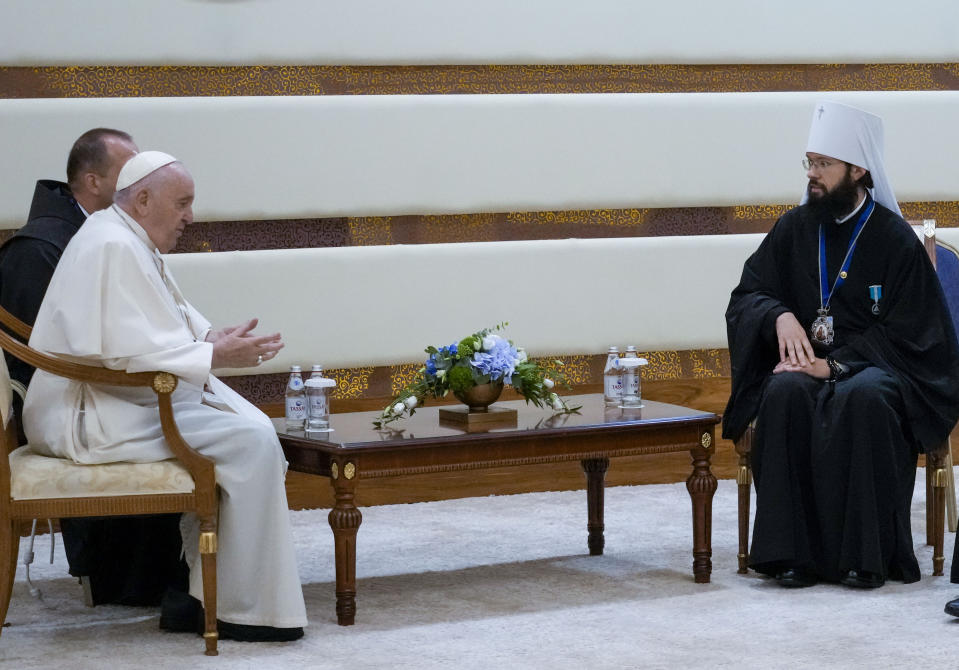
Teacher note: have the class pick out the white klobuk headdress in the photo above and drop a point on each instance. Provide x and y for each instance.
(853, 136)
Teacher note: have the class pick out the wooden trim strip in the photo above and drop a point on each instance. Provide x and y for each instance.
(257, 80)
(371, 387)
(509, 226)
(504, 226)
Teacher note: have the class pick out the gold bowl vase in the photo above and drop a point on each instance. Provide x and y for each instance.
(479, 398)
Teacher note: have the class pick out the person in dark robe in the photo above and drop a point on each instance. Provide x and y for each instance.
(128, 560)
(843, 351)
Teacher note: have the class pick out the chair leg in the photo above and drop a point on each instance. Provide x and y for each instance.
(9, 549)
(208, 566)
(937, 513)
(744, 483)
(930, 495)
(952, 518)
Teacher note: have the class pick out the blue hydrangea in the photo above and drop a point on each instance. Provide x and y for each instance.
(499, 362)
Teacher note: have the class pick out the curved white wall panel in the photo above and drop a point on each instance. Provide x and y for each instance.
(198, 32)
(292, 157)
(359, 306)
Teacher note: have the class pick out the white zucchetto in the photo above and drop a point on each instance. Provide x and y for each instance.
(853, 136)
(140, 165)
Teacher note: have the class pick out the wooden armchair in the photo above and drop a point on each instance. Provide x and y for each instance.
(34, 486)
(939, 474)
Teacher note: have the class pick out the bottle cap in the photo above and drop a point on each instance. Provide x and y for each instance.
(320, 382)
(295, 368)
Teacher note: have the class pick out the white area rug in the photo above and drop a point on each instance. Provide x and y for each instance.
(506, 582)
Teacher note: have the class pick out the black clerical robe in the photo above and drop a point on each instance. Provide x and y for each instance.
(27, 259)
(129, 560)
(834, 464)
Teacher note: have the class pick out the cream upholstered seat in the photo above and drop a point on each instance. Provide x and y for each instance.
(33, 477)
(34, 486)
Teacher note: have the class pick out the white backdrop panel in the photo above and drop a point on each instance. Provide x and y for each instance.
(359, 306)
(293, 157)
(380, 32)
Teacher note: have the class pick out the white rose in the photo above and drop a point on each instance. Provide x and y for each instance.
(521, 355)
(398, 408)
(411, 402)
(548, 383)
(557, 403)
(489, 342)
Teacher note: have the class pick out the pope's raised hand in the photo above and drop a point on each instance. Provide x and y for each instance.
(238, 347)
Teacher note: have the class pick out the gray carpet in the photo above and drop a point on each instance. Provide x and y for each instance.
(504, 582)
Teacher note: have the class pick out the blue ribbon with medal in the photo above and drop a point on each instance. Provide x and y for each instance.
(822, 329)
(875, 294)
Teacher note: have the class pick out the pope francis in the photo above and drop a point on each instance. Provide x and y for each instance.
(111, 302)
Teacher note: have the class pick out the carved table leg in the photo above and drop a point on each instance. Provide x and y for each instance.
(701, 486)
(595, 469)
(345, 521)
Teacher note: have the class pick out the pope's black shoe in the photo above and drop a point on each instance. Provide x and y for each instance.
(795, 578)
(952, 607)
(858, 579)
(180, 612)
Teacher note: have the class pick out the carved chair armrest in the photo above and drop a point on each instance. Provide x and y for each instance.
(162, 383)
(15, 324)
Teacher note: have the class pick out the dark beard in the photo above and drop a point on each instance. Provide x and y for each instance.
(837, 202)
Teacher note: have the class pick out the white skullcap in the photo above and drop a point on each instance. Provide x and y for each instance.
(852, 136)
(140, 165)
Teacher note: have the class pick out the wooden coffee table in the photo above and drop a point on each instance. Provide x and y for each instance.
(355, 451)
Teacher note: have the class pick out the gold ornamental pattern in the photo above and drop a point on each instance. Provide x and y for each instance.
(709, 363)
(350, 382)
(761, 212)
(101, 81)
(402, 376)
(663, 365)
(370, 230)
(577, 369)
(588, 217)
(946, 214)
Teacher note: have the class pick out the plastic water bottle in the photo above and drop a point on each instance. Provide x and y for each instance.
(296, 408)
(317, 371)
(318, 411)
(612, 379)
(631, 353)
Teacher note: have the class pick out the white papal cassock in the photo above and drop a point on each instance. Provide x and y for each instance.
(111, 303)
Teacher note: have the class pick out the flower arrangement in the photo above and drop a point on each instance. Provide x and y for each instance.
(482, 358)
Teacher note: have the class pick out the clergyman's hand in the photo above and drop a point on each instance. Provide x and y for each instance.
(794, 345)
(238, 347)
(818, 368)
